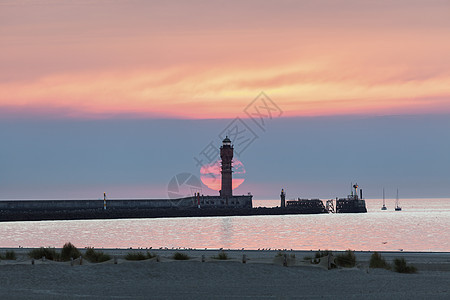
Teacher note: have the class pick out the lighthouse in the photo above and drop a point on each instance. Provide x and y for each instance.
(226, 154)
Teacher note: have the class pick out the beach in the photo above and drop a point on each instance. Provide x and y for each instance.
(261, 276)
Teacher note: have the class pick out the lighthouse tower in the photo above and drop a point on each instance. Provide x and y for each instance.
(226, 154)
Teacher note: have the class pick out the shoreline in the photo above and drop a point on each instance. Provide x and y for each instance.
(262, 276)
(426, 260)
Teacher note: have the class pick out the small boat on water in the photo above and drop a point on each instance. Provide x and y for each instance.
(384, 203)
(397, 207)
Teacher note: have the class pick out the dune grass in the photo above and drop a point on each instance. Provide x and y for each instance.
(48, 253)
(376, 261)
(9, 255)
(180, 256)
(324, 253)
(96, 256)
(346, 260)
(139, 256)
(221, 256)
(69, 251)
(400, 266)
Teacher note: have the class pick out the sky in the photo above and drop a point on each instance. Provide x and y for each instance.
(121, 96)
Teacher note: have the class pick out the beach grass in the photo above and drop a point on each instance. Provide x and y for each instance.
(69, 251)
(138, 256)
(96, 256)
(346, 260)
(48, 253)
(401, 266)
(324, 253)
(180, 256)
(376, 261)
(221, 256)
(280, 254)
(9, 255)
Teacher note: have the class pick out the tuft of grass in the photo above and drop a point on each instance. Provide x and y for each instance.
(69, 251)
(324, 253)
(9, 255)
(96, 256)
(138, 256)
(135, 256)
(347, 260)
(180, 256)
(376, 261)
(222, 256)
(400, 266)
(48, 253)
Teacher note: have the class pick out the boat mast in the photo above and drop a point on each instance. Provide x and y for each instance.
(384, 204)
(396, 200)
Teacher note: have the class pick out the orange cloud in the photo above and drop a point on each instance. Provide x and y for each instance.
(220, 94)
(163, 62)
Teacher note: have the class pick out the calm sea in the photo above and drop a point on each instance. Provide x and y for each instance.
(422, 225)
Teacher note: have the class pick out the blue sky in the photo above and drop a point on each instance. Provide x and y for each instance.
(309, 157)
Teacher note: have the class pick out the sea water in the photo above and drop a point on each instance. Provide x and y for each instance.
(422, 225)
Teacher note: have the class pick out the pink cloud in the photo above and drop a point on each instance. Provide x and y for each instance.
(157, 59)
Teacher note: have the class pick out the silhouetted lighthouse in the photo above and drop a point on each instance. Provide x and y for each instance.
(226, 154)
(283, 198)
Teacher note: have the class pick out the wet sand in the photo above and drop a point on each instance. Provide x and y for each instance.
(262, 276)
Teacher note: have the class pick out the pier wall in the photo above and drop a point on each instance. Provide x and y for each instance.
(187, 202)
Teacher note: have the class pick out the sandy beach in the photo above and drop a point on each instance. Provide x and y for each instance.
(262, 276)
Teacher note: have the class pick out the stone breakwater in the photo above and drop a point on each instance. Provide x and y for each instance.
(196, 206)
(186, 202)
(40, 215)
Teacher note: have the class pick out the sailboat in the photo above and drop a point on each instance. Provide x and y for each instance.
(397, 208)
(384, 204)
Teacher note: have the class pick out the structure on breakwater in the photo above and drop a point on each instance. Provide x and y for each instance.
(226, 204)
(351, 204)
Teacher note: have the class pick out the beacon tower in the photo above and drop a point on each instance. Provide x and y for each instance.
(226, 154)
(283, 198)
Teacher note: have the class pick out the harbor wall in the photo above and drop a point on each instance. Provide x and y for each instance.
(187, 202)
